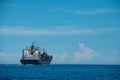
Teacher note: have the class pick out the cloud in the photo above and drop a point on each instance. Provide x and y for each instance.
(55, 10)
(116, 22)
(61, 58)
(3, 54)
(8, 4)
(25, 31)
(97, 11)
(84, 54)
(87, 53)
(8, 58)
(61, 30)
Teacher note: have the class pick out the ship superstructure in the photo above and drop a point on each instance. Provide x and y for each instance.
(33, 55)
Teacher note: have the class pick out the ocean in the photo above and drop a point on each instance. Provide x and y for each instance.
(59, 72)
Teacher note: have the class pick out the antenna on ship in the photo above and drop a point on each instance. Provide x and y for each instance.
(44, 50)
(26, 47)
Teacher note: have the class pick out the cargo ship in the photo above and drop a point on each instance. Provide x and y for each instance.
(33, 55)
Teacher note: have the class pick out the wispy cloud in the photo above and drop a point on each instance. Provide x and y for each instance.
(97, 11)
(62, 30)
(25, 31)
(116, 22)
(7, 4)
(8, 58)
(59, 9)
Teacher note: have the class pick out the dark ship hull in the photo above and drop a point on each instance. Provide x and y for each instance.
(36, 62)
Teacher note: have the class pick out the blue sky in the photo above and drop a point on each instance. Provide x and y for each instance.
(73, 31)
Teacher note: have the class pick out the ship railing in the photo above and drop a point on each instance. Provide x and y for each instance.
(30, 58)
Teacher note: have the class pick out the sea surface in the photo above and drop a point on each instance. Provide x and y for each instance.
(59, 72)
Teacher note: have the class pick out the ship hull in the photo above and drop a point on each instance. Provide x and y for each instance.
(35, 62)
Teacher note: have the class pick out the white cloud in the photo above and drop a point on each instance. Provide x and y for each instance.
(55, 10)
(7, 58)
(77, 56)
(3, 54)
(61, 30)
(63, 56)
(25, 31)
(84, 54)
(60, 58)
(97, 11)
(7, 4)
(116, 22)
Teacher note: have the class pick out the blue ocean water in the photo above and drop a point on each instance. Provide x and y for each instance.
(59, 72)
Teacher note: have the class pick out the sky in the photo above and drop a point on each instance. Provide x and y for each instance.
(73, 31)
